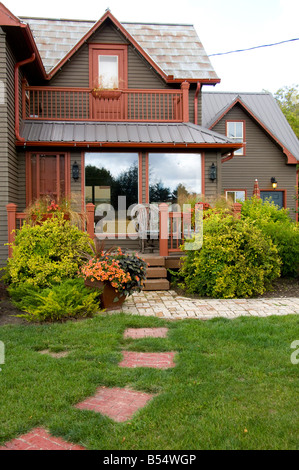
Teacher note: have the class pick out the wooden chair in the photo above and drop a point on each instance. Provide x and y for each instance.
(146, 218)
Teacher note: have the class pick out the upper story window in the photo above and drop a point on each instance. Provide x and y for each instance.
(235, 130)
(108, 71)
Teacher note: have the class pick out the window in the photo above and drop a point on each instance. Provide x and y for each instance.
(47, 174)
(108, 71)
(175, 178)
(235, 195)
(235, 131)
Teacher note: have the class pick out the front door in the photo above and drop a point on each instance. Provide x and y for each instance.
(109, 78)
(275, 196)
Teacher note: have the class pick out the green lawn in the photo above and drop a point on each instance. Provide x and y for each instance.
(233, 387)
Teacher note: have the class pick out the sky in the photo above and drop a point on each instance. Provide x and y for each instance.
(222, 25)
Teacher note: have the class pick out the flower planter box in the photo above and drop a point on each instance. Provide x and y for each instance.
(108, 295)
(107, 94)
(47, 217)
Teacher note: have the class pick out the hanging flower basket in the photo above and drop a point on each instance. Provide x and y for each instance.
(110, 298)
(106, 94)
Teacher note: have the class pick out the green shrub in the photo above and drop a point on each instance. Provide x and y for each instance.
(276, 224)
(46, 254)
(236, 259)
(70, 299)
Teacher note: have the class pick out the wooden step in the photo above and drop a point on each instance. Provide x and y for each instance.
(156, 284)
(153, 260)
(156, 272)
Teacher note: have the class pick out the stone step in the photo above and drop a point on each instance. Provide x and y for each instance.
(153, 260)
(156, 272)
(156, 284)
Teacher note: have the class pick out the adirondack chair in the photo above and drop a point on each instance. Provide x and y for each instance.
(146, 217)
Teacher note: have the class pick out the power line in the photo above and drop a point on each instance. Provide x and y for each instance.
(255, 47)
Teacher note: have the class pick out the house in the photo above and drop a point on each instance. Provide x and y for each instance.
(109, 110)
(271, 150)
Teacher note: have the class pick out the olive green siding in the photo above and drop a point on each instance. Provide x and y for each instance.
(263, 159)
(8, 156)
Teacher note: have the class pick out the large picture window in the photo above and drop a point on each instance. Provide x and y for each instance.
(111, 184)
(175, 178)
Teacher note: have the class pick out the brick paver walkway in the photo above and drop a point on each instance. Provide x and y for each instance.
(155, 360)
(39, 439)
(120, 404)
(168, 304)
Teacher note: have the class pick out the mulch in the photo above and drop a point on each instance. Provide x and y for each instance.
(282, 288)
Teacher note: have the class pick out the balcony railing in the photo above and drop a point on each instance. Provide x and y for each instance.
(79, 104)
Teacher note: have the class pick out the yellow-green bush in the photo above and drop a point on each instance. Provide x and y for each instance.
(236, 259)
(46, 254)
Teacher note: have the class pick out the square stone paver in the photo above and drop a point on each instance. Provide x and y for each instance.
(136, 333)
(119, 404)
(163, 360)
(39, 439)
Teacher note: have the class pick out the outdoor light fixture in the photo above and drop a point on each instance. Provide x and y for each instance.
(274, 182)
(213, 172)
(75, 171)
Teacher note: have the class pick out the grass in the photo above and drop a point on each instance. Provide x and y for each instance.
(233, 387)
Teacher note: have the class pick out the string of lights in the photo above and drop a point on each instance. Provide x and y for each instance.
(255, 47)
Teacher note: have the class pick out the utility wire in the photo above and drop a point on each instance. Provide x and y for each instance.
(256, 47)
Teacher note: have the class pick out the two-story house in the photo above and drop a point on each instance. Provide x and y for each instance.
(108, 109)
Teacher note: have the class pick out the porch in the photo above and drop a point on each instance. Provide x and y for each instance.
(161, 253)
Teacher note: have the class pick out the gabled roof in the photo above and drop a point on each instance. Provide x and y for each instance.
(173, 49)
(263, 109)
(113, 134)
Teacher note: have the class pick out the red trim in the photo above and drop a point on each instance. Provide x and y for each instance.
(99, 145)
(277, 191)
(291, 159)
(147, 179)
(16, 88)
(119, 26)
(244, 135)
(228, 157)
(140, 185)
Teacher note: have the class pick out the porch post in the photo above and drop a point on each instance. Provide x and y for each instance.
(12, 225)
(185, 89)
(237, 210)
(163, 232)
(90, 220)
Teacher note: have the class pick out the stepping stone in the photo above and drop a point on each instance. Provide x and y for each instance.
(136, 333)
(55, 355)
(163, 360)
(39, 439)
(119, 404)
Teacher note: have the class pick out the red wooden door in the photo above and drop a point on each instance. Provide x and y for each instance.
(108, 73)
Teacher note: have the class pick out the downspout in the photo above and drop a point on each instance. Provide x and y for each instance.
(198, 88)
(17, 104)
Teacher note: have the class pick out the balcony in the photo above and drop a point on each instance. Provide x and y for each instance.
(80, 104)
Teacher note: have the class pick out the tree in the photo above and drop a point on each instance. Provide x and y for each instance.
(288, 101)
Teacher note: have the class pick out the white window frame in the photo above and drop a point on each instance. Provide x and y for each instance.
(232, 134)
(235, 191)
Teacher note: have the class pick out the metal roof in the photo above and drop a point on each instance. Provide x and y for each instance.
(121, 133)
(175, 48)
(262, 105)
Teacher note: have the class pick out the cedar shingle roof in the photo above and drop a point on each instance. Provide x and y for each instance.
(175, 48)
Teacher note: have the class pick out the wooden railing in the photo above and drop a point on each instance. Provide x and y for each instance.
(78, 104)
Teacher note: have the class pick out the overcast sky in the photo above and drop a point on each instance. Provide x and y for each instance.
(222, 25)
